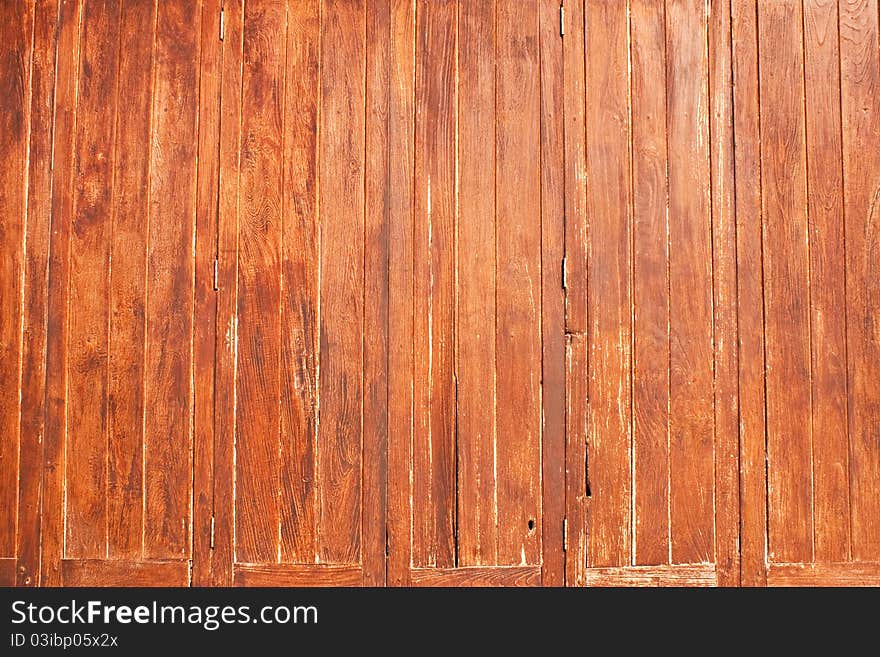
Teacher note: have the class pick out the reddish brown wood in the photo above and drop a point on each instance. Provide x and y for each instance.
(477, 576)
(675, 575)
(94, 572)
(7, 571)
(296, 575)
(824, 574)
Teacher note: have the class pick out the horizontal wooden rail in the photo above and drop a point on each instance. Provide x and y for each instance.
(281, 574)
(697, 574)
(477, 576)
(824, 574)
(99, 572)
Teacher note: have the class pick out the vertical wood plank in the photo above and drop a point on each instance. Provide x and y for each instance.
(552, 297)
(860, 91)
(36, 263)
(86, 475)
(828, 292)
(401, 136)
(67, 78)
(227, 298)
(724, 299)
(609, 230)
(299, 266)
(691, 464)
(341, 209)
(433, 271)
(577, 485)
(518, 271)
(169, 283)
(127, 301)
(259, 278)
(376, 292)
(787, 282)
(205, 308)
(477, 502)
(750, 294)
(650, 286)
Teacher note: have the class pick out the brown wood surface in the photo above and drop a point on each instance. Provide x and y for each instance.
(117, 572)
(477, 576)
(296, 575)
(675, 575)
(825, 574)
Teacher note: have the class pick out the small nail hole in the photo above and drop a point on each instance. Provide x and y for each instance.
(531, 525)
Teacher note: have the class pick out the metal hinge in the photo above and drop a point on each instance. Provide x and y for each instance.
(222, 24)
(216, 275)
(212, 532)
(564, 534)
(561, 21)
(565, 273)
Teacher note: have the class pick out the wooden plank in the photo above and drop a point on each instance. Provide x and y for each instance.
(295, 575)
(376, 293)
(609, 227)
(434, 286)
(577, 482)
(299, 271)
(98, 572)
(518, 270)
(827, 283)
(128, 249)
(7, 571)
(86, 475)
(171, 227)
(724, 297)
(341, 208)
(787, 284)
(67, 80)
(36, 263)
(227, 298)
(750, 294)
(478, 576)
(552, 298)
(475, 407)
(824, 574)
(860, 94)
(691, 467)
(205, 309)
(700, 574)
(650, 286)
(401, 136)
(257, 516)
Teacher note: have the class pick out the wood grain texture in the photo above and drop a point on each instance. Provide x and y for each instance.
(341, 212)
(608, 220)
(35, 295)
(691, 445)
(676, 575)
(518, 296)
(7, 571)
(477, 289)
(299, 290)
(831, 504)
(477, 576)
(95, 572)
(787, 283)
(577, 483)
(650, 292)
(860, 93)
(750, 294)
(294, 575)
(824, 574)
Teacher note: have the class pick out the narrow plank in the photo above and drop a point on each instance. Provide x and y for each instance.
(786, 284)
(434, 286)
(724, 299)
(98, 572)
(824, 574)
(827, 283)
(401, 135)
(700, 574)
(691, 467)
(125, 403)
(478, 576)
(575, 271)
(376, 293)
(16, 33)
(86, 475)
(295, 575)
(750, 293)
(860, 93)
(36, 279)
(205, 308)
(650, 286)
(7, 571)
(226, 346)
(341, 209)
(169, 283)
(609, 229)
(299, 269)
(67, 80)
(475, 407)
(257, 516)
(552, 298)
